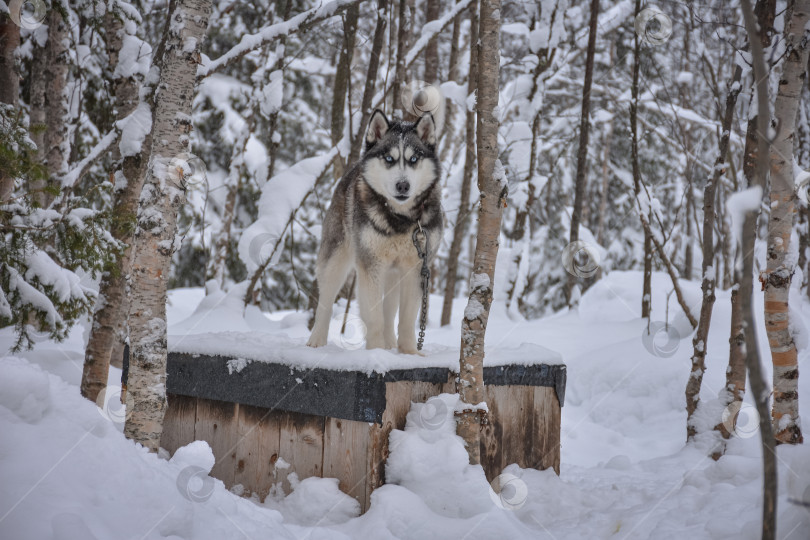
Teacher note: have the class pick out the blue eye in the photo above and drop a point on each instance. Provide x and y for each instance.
(389, 159)
(414, 158)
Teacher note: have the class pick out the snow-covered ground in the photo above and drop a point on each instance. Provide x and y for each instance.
(67, 472)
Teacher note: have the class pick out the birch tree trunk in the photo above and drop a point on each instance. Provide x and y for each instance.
(492, 184)
(745, 278)
(162, 195)
(776, 279)
(49, 130)
(107, 333)
(9, 83)
(460, 228)
(584, 133)
(700, 342)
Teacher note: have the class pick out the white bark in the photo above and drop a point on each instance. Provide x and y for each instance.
(163, 194)
(777, 278)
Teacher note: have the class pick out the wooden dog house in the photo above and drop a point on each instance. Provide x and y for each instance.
(269, 420)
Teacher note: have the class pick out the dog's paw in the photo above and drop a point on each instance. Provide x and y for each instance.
(408, 346)
(316, 341)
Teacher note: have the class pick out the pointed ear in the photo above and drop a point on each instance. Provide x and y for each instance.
(426, 129)
(377, 128)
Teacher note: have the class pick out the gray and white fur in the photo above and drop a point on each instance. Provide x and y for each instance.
(375, 208)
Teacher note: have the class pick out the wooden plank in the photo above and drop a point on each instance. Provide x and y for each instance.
(345, 455)
(546, 432)
(517, 425)
(422, 391)
(178, 422)
(217, 423)
(257, 449)
(398, 402)
(301, 444)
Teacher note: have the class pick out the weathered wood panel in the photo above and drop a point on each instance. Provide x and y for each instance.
(516, 417)
(398, 402)
(178, 422)
(345, 455)
(257, 450)
(547, 418)
(217, 423)
(301, 445)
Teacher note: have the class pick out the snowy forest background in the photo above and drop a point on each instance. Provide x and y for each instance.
(283, 92)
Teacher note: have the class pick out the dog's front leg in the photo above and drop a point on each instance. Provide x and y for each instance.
(370, 300)
(410, 301)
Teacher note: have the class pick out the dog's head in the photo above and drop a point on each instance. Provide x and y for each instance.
(400, 159)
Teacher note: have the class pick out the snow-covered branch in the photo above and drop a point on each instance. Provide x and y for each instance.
(251, 42)
(77, 173)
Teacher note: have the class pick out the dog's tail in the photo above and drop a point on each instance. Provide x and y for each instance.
(419, 97)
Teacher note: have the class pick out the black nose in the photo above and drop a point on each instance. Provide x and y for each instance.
(402, 187)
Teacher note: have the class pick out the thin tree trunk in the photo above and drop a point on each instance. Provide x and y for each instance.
(274, 142)
(752, 357)
(108, 331)
(776, 279)
(399, 73)
(673, 274)
(450, 107)
(604, 188)
(217, 271)
(734, 390)
(371, 78)
(9, 83)
(432, 50)
(342, 75)
(646, 290)
(584, 133)
(709, 279)
(688, 257)
(49, 130)
(163, 193)
(460, 228)
(492, 184)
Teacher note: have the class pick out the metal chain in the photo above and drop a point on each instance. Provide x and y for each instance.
(425, 276)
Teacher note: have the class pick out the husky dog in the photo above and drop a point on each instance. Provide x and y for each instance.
(369, 227)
